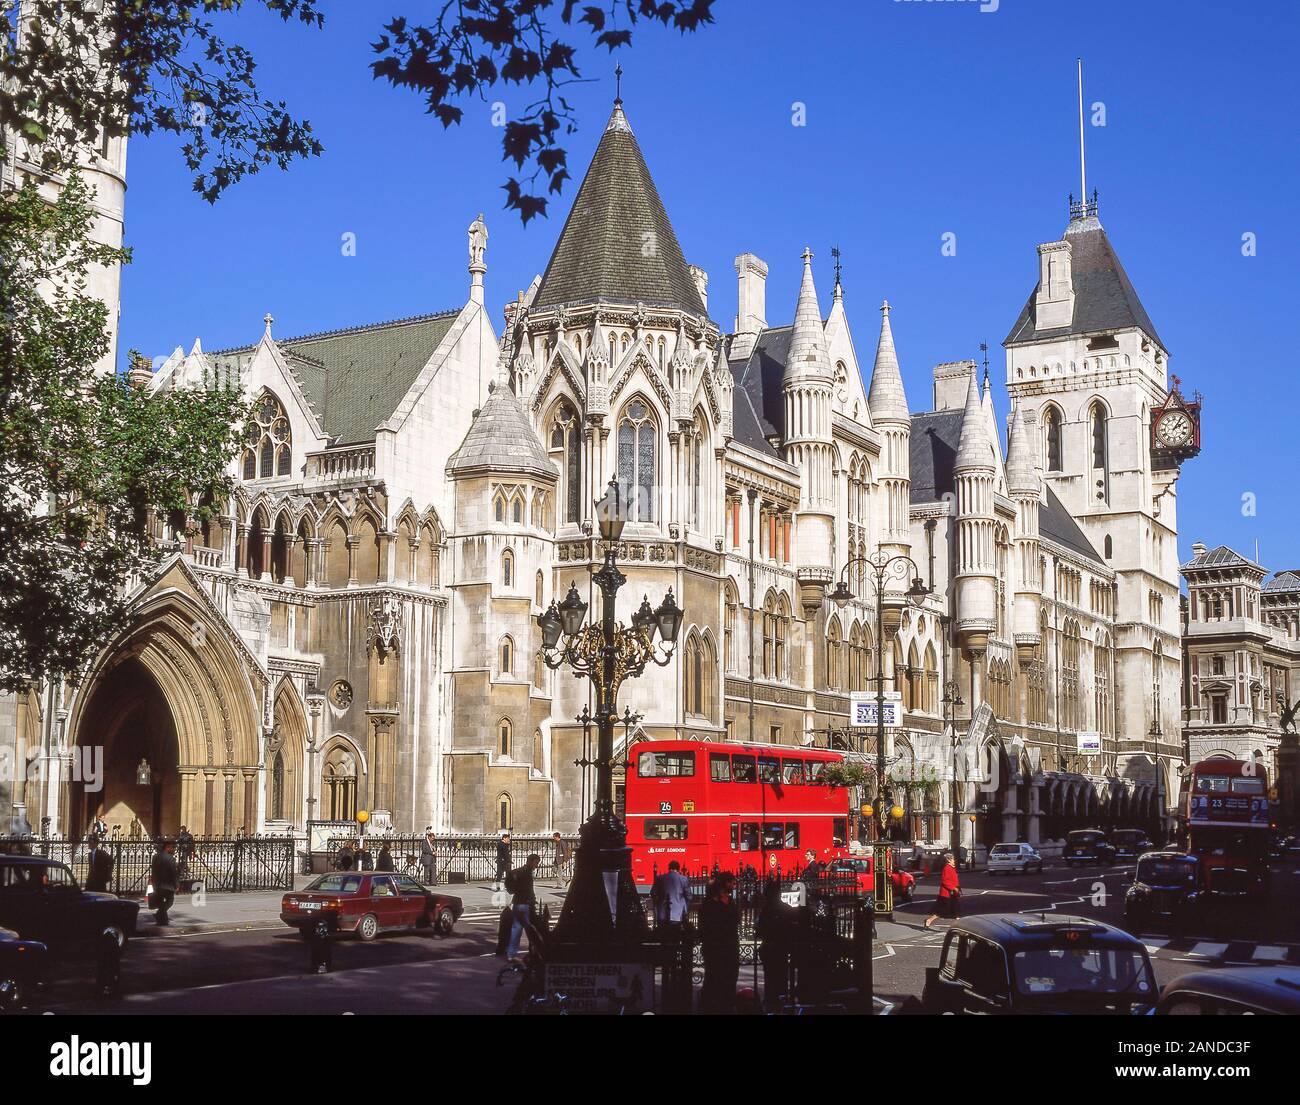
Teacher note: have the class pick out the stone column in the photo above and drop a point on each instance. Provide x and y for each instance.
(315, 711)
(188, 809)
(353, 542)
(267, 536)
(241, 551)
(386, 566)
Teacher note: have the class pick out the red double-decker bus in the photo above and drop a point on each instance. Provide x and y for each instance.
(1228, 825)
(734, 805)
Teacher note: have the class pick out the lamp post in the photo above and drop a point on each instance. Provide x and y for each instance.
(951, 700)
(883, 567)
(601, 909)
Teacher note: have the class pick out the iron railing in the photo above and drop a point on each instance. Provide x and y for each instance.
(459, 858)
(215, 863)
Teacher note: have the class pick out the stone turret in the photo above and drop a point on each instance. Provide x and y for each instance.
(974, 475)
(887, 402)
(808, 386)
(1025, 486)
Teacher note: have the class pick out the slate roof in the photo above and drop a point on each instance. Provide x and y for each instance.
(601, 253)
(758, 403)
(355, 378)
(1283, 581)
(500, 439)
(1104, 298)
(933, 454)
(1218, 557)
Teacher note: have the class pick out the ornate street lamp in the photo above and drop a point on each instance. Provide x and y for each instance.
(951, 700)
(601, 910)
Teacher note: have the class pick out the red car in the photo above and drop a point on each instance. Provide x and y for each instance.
(904, 881)
(370, 902)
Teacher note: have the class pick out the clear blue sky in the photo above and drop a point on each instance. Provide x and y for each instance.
(922, 118)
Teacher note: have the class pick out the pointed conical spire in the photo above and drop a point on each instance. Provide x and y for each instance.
(617, 244)
(1022, 475)
(807, 359)
(887, 399)
(974, 450)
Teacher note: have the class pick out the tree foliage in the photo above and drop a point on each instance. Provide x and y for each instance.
(476, 44)
(85, 460)
(87, 68)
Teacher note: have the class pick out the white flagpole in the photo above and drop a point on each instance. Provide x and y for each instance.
(1083, 173)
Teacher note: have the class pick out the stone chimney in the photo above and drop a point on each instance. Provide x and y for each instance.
(1054, 304)
(1198, 549)
(951, 383)
(751, 313)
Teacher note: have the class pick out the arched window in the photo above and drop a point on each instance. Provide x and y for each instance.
(507, 655)
(539, 589)
(268, 443)
(1110, 547)
(505, 813)
(730, 625)
(277, 787)
(769, 634)
(505, 738)
(566, 445)
(834, 653)
(538, 763)
(517, 510)
(782, 634)
(280, 543)
(340, 776)
(1097, 424)
(931, 689)
(699, 476)
(499, 508)
(507, 569)
(1052, 436)
(636, 460)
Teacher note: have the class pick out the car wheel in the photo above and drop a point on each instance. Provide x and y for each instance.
(368, 927)
(444, 922)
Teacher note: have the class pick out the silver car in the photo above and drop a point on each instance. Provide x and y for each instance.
(1014, 857)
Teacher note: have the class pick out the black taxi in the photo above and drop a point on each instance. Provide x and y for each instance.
(1035, 964)
(1168, 888)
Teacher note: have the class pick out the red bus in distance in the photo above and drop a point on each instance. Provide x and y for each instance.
(731, 804)
(1228, 824)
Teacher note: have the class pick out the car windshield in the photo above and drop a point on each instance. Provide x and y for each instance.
(1082, 970)
(1006, 849)
(337, 884)
(1166, 872)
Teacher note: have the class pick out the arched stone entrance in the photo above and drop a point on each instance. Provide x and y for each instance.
(179, 690)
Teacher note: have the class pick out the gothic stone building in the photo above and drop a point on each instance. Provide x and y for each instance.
(358, 631)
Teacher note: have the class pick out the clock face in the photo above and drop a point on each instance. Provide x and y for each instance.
(1174, 429)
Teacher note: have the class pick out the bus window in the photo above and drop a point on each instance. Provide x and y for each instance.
(1248, 784)
(773, 835)
(651, 765)
(719, 767)
(1212, 784)
(792, 771)
(792, 834)
(816, 769)
(665, 828)
(839, 831)
(769, 769)
(744, 836)
(742, 769)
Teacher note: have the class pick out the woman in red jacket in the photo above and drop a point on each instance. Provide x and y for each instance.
(949, 892)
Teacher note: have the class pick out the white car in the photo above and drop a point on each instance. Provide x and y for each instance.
(1014, 857)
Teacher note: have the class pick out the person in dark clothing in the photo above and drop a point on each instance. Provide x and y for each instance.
(320, 948)
(165, 876)
(346, 859)
(503, 856)
(184, 850)
(523, 902)
(365, 861)
(385, 860)
(720, 945)
(812, 870)
(775, 932)
(100, 869)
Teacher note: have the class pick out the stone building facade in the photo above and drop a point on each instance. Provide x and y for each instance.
(358, 631)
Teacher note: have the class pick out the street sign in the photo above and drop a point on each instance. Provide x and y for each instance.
(602, 987)
(1089, 744)
(862, 707)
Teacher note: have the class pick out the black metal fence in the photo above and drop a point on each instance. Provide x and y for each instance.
(459, 858)
(215, 863)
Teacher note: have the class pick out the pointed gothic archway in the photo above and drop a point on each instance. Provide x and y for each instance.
(177, 690)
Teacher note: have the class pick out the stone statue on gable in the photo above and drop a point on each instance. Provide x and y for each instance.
(478, 240)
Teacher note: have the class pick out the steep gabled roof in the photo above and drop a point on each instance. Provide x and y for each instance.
(617, 244)
(355, 378)
(1104, 298)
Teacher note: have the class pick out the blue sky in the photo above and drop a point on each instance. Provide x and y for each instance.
(922, 118)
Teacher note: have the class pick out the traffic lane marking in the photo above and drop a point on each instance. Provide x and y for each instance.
(1270, 953)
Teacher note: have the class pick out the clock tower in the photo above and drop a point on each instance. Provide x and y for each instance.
(1090, 372)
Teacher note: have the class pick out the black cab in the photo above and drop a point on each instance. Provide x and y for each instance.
(1233, 991)
(1168, 888)
(1130, 843)
(40, 900)
(1087, 846)
(1013, 963)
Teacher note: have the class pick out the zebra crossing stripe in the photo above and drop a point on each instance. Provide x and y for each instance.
(1208, 949)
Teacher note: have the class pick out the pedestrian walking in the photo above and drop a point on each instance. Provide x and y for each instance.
(949, 892)
(523, 902)
(428, 857)
(671, 895)
(384, 861)
(320, 948)
(100, 869)
(562, 857)
(720, 945)
(812, 869)
(775, 932)
(503, 856)
(165, 876)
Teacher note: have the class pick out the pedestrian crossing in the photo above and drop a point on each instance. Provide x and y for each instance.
(1237, 952)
